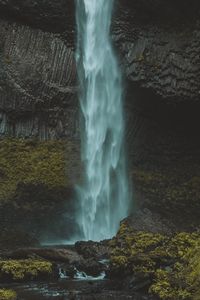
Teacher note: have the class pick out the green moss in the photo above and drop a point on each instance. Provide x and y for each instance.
(24, 269)
(193, 270)
(7, 294)
(120, 260)
(131, 251)
(166, 289)
(171, 263)
(182, 280)
(32, 162)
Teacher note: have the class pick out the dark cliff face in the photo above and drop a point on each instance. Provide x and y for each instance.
(158, 44)
(38, 83)
(54, 16)
(158, 41)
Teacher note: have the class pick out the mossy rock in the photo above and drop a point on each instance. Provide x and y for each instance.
(27, 269)
(37, 185)
(170, 263)
(7, 294)
(32, 162)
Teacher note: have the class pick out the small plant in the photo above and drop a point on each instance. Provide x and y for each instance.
(17, 270)
(7, 294)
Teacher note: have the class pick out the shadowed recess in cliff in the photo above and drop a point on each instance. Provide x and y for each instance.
(104, 195)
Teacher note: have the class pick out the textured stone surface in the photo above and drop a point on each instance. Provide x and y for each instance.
(158, 41)
(160, 52)
(54, 16)
(38, 93)
(38, 89)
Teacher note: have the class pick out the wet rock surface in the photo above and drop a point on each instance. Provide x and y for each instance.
(73, 276)
(136, 264)
(93, 249)
(66, 259)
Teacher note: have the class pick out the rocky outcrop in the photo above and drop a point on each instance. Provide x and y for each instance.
(93, 249)
(159, 44)
(38, 94)
(159, 51)
(48, 15)
(67, 260)
(166, 266)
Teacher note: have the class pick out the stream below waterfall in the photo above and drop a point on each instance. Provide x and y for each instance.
(75, 277)
(73, 290)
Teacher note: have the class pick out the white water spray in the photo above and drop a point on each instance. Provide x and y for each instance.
(104, 195)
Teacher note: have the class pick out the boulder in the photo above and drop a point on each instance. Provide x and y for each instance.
(93, 249)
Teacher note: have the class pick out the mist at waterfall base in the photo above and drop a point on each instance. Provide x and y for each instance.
(103, 197)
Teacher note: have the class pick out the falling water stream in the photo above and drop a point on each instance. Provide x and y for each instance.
(104, 195)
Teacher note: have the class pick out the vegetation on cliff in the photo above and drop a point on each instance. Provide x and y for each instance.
(169, 266)
(36, 184)
(31, 162)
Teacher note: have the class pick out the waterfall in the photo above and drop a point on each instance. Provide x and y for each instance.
(104, 194)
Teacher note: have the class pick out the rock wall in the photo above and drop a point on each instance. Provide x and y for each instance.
(158, 46)
(38, 93)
